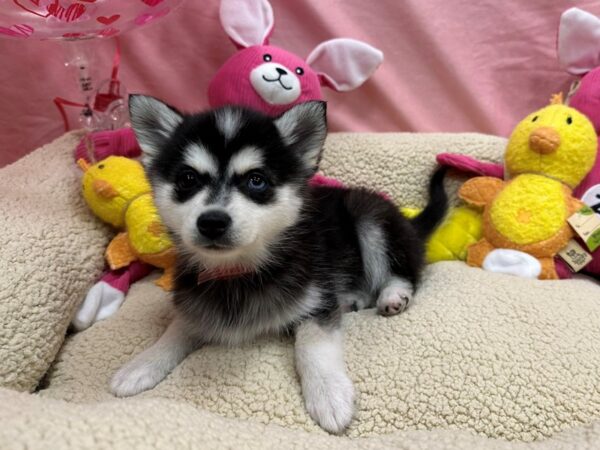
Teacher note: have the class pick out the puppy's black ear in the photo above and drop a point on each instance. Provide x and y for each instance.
(153, 122)
(304, 127)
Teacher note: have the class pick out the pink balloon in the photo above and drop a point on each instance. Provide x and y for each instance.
(77, 19)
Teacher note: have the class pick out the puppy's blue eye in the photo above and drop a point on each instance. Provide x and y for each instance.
(257, 183)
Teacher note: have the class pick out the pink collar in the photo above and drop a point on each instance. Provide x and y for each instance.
(221, 274)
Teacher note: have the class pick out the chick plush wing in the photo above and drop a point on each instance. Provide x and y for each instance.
(480, 191)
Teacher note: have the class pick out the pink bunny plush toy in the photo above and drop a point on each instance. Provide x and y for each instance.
(259, 76)
(271, 79)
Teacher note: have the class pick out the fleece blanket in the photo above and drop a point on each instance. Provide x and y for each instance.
(142, 423)
(50, 250)
(478, 360)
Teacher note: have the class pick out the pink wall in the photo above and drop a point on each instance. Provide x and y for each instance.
(455, 65)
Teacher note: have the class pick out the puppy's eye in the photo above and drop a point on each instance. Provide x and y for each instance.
(267, 57)
(257, 183)
(569, 120)
(534, 119)
(187, 180)
(299, 70)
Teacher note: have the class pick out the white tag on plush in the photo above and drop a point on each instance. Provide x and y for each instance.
(575, 256)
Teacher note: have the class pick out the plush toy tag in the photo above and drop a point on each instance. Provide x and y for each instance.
(586, 223)
(575, 256)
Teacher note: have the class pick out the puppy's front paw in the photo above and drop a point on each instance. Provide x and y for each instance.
(134, 377)
(394, 299)
(330, 401)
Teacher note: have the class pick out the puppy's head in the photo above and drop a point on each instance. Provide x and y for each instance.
(230, 181)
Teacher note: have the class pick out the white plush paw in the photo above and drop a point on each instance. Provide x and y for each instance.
(136, 376)
(394, 299)
(512, 262)
(101, 301)
(330, 402)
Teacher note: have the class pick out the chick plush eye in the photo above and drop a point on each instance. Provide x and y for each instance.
(267, 57)
(569, 120)
(534, 118)
(187, 179)
(257, 183)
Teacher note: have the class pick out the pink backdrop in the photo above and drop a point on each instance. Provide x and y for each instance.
(456, 65)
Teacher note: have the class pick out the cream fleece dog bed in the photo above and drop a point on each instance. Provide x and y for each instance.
(477, 353)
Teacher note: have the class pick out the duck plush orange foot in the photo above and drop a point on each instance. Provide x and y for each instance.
(525, 218)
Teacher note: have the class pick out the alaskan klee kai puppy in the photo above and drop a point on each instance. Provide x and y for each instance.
(259, 251)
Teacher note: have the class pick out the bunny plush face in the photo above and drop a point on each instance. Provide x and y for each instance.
(271, 79)
(587, 97)
(275, 82)
(265, 78)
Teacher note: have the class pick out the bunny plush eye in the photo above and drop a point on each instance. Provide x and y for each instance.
(299, 70)
(267, 57)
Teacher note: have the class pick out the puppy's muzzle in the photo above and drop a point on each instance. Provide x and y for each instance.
(213, 224)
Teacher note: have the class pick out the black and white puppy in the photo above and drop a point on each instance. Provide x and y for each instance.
(259, 251)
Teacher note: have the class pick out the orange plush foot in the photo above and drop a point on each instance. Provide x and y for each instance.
(119, 253)
(166, 281)
(164, 260)
(477, 253)
(548, 269)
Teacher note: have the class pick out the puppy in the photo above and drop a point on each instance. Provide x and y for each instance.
(259, 251)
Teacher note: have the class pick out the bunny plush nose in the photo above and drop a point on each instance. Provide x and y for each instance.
(281, 71)
(544, 140)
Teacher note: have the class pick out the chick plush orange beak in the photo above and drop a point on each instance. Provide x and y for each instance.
(544, 140)
(104, 189)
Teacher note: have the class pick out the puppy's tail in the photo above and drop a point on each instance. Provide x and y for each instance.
(435, 211)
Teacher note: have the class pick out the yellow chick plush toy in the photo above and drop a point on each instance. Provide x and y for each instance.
(548, 153)
(118, 192)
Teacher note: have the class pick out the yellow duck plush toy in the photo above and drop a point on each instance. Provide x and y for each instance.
(548, 153)
(118, 192)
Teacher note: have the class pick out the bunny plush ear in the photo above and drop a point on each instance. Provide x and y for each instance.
(344, 64)
(247, 22)
(579, 41)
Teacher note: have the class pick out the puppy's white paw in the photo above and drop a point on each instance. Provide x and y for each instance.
(330, 401)
(394, 298)
(136, 376)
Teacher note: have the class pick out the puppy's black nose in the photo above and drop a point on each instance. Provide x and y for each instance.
(213, 224)
(280, 71)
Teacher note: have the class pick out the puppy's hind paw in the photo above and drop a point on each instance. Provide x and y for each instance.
(394, 298)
